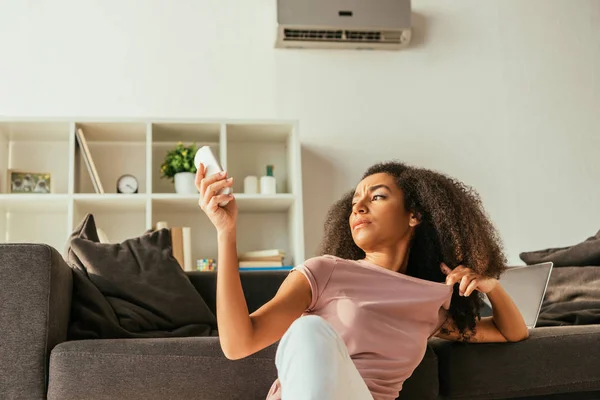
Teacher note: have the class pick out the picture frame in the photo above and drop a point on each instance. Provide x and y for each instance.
(26, 182)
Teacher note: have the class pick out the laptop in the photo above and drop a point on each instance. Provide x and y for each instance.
(526, 286)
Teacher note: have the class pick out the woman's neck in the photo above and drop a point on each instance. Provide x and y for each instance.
(394, 260)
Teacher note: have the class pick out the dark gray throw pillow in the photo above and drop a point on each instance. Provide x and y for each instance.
(586, 253)
(133, 289)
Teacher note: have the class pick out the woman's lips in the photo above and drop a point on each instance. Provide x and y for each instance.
(360, 223)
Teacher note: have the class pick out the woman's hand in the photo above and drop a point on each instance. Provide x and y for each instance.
(223, 218)
(469, 280)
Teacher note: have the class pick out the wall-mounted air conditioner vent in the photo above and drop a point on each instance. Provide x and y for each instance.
(355, 24)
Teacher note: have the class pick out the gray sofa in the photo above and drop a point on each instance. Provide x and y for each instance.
(36, 361)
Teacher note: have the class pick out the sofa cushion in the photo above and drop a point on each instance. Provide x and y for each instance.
(133, 289)
(552, 360)
(581, 254)
(157, 369)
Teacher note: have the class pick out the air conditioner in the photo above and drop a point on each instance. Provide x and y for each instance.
(344, 24)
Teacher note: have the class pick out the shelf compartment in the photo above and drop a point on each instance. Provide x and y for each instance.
(24, 220)
(120, 216)
(259, 231)
(108, 142)
(166, 136)
(31, 147)
(203, 232)
(252, 158)
(251, 147)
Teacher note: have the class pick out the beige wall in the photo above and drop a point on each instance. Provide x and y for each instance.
(504, 95)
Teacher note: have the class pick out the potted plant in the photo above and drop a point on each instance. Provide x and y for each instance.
(178, 166)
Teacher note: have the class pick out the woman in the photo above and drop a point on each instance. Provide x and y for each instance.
(406, 255)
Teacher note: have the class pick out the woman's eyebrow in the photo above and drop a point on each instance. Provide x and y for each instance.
(374, 188)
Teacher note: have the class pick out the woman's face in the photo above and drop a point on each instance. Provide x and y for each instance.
(379, 218)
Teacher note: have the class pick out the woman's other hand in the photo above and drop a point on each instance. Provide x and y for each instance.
(223, 218)
(469, 280)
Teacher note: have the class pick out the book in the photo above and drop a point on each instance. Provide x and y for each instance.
(162, 225)
(273, 258)
(261, 254)
(256, 269)
(260, 263)
(187, 249)
(177, 244)
(89, 162)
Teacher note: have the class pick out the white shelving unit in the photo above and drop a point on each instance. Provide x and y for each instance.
(138, 147)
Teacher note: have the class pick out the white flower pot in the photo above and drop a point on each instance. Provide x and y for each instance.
(185, 183)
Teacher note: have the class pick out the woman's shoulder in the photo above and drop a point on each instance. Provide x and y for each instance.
(323, 264)
(326, 259)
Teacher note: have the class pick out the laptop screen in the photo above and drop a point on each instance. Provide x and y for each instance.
(527, 287)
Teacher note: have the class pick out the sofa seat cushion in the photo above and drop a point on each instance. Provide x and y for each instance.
(191, 368)
(552, 360)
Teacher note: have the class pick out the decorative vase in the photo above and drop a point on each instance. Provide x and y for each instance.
(185, 183)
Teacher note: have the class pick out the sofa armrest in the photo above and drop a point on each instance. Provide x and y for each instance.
(35, 301)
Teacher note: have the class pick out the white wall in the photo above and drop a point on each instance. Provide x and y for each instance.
(504, 95)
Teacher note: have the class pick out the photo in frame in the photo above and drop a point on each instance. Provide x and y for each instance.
(29, 182)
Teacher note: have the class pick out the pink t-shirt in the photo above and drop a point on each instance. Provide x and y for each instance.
(384, 317)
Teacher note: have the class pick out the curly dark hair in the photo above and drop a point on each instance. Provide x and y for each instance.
(454, 228)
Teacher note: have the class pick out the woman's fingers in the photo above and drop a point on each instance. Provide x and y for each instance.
(205, 182)
(471, 287)
(451, 279)
(214, 188)
(465, 277)
(216, 200)
(464, 282)
(217, 186)
(199, 176)
(455, 276)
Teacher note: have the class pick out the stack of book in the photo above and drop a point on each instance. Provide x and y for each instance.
(263, 260)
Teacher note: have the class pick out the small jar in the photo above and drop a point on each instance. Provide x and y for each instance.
(251, 184)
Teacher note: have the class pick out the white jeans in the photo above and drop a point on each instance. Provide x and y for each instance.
(313, 363)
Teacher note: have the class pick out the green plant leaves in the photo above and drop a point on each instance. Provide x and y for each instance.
(179, 159)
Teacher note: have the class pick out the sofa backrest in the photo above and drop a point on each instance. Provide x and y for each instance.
(259, 287)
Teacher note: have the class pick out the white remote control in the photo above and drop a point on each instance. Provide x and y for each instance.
(205, 156)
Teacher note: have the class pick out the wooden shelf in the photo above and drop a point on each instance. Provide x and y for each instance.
(138, 146)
